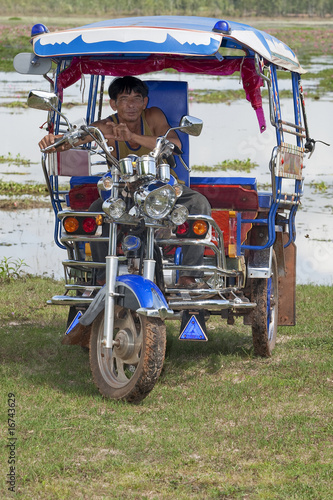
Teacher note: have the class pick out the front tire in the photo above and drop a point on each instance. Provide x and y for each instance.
(130, 370)
(265, 317)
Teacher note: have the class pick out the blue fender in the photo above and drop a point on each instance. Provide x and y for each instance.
(136, 293)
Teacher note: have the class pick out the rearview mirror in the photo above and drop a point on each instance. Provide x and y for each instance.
(46, 101)
(191, 125)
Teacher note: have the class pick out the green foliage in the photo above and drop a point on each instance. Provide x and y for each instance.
(320, 187)
(17, 160)
(15, 188)
(213, 96)
(235, 165)
(223, 8)
(11, 269)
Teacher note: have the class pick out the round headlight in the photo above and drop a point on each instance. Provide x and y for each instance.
(159, 202)
(115, 208)
(179, 215)
(105, 183)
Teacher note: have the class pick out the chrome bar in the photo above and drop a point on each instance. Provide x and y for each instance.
(215, 305)
(84, 264)
(66, 300)
(212, 269)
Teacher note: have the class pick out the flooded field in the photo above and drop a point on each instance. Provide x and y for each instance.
(28, 235)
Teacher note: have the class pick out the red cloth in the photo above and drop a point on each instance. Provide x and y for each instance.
(120, 66)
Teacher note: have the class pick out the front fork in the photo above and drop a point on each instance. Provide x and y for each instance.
(111, 273)
(111, 278)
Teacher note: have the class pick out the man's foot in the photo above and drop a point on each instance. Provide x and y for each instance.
(190, 283)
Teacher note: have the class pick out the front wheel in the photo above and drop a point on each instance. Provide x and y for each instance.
(130, 370)
(265, 317)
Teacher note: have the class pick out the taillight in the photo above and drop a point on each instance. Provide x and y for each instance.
(80, 225)
(71, 224)
(89, 225)
(183, 229)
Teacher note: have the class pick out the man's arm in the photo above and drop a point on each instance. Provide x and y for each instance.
(157, 123)
(50, 139)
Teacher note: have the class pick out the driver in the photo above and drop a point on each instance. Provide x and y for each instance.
(133, 129)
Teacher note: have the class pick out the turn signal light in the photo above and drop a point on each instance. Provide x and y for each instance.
(71, 224)
(200, 227)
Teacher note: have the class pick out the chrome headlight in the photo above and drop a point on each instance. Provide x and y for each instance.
(105, 183)
(115, 208)
(156, 203)
(179, 215)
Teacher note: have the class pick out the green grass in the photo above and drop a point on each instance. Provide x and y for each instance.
(220, 423)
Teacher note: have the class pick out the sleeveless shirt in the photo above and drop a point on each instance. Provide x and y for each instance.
(123, 148)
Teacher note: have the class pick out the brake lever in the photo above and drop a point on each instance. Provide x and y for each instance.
(310, 145)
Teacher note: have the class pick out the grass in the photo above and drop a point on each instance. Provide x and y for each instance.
(220, 423)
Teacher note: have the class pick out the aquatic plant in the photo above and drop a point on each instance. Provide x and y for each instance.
(235, 165)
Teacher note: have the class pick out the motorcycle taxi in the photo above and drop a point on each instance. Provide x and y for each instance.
(250, 252)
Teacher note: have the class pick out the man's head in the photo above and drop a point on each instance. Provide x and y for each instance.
(128, 97)
(126, 85)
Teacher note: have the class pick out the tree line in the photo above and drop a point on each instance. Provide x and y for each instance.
(210, 8)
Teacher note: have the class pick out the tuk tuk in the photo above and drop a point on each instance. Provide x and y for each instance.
(250, 253)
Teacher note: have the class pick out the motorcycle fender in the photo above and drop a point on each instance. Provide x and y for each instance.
(132, 292)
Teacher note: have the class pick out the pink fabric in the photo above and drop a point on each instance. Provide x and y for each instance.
(122, 67)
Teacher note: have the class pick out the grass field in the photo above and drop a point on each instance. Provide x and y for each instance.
(219, 424)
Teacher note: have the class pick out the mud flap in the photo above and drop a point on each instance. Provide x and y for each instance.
(76, 333)
(287, 287)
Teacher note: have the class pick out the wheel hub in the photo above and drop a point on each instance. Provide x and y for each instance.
(124, 344)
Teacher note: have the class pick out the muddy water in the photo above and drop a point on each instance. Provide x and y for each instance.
(28, 234)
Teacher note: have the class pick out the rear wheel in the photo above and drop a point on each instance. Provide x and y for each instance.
(131, 368)
(265, 317)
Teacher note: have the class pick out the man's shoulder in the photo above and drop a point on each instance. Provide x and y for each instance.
(154, 116)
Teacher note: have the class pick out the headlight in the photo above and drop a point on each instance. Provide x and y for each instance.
(157, 203)
(115, 208)
(105, 183)
(179, 215)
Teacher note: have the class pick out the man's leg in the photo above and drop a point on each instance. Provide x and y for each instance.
(99, 250)
(197, 204)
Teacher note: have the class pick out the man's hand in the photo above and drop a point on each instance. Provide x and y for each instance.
(50, 139)
(117, 132)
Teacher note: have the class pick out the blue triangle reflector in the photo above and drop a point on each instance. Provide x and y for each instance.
(193, 331)
(73, 323)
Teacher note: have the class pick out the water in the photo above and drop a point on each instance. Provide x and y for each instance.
(30, 233)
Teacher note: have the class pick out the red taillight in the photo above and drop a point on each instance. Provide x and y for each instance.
(183, 229)
(89, 225)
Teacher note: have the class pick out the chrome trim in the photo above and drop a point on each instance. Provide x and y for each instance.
(213, 305)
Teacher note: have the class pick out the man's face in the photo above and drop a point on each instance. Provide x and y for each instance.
(129, 106)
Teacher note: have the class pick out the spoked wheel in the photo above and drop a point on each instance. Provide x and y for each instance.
(130, 370)
(265, 317)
